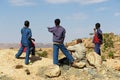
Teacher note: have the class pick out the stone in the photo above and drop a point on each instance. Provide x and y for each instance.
(94, 59)
(80, 64)
(52, 71)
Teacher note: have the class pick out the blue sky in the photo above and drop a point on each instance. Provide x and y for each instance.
(78, 17)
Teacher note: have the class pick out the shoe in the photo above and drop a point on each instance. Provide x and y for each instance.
(16, 56)
(74, 65)
(30, 63)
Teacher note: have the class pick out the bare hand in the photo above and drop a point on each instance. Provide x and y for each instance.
(94, 29)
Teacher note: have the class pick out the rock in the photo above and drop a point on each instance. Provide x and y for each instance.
(27, 72)
(52, 71)
(88, 43)
(80, 64)
(94, 59)
(112, 63)
(71, 43)
(18, 66)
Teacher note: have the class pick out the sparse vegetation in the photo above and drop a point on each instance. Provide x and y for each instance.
(108, 42)
(108, 46)
(103, 57)
(91, 33)
(5, 78)
(40, 49)
(42, 53)
(111, 54)
(11, 48)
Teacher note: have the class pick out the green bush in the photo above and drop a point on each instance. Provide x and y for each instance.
(42, 53)
(111, 54)
(91, 33)
(103, 57)
(108, 42)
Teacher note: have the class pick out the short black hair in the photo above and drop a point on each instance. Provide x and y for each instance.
(79, 40)
(26, 23)
(97, 25)
(57, 21)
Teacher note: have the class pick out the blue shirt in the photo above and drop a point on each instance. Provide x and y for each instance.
(58, 33)
(26, 35)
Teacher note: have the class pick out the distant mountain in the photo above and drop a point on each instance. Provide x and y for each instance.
(16, 45)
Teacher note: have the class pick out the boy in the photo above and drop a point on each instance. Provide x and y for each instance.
(58, 40)
(97, 40)
(78, 50)
(25, 41)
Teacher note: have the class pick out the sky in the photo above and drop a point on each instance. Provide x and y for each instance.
(78, 17)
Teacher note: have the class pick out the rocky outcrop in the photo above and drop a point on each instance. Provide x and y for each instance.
(94, 59)
(52, 71)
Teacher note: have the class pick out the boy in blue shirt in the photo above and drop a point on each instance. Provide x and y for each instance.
(25, 41)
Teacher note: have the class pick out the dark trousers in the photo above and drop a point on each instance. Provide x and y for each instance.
(97, 48)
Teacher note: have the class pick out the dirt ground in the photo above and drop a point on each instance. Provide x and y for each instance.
(16, 69)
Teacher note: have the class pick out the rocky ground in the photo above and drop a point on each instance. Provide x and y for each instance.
(15, 69)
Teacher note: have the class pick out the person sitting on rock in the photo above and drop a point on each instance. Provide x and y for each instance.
(78, 50)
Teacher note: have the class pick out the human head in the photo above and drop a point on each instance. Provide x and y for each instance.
(97, 25)
(26, 23)
(57, 22)
(79, 41)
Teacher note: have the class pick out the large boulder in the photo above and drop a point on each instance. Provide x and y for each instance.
(52, 71)
(94, 59)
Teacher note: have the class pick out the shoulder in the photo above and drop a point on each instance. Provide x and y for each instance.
(99, 31)
(62, 27)
(22, 28)
(29, 29)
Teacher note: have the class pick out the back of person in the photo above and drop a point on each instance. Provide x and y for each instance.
(58, 34)
(25, 36)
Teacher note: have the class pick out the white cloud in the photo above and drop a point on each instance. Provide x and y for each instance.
(77, 16)
(21, 2)
(90, 1)
(58, 1)
(76, 1)
(117, 14)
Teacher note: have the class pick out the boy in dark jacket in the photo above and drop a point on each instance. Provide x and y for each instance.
(97, 40)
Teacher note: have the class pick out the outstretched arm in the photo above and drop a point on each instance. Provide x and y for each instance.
(50, 29)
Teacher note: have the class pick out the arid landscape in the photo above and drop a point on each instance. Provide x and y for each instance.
(15, 69)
